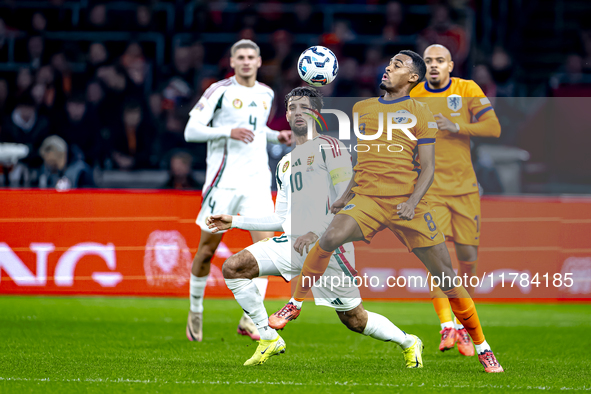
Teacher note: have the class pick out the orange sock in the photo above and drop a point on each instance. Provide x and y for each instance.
(314, 267)
(441, 305)
(466, 267)
(465, 311)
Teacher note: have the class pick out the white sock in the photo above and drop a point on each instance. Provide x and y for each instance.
(447, 324)
(482, 347)
(197, 289)
(261, 284)
(298, 304)
(380, 328)
(251, 301)
(458, 326)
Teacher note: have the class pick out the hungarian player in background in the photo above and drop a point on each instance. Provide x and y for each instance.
(462, 110)
(307, 178)
(387, 192)
(231, 117)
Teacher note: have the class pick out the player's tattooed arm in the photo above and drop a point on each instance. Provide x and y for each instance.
(406, 210)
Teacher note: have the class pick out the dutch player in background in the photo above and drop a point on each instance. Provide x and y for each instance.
(231, 117)
(462, 110)
(309, 179)
(387, 192)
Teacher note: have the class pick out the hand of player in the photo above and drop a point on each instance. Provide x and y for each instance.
(242, 134)
(284, 137)
(304, 242)
(445, 124)
(341, 203)
(406, 211)
(219, 222)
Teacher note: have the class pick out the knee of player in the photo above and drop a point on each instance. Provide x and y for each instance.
(230, 267)
(466, 253)
(331, 239)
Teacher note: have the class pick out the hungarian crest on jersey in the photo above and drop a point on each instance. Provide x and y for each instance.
(285, 166)
(454, 102)
(310, 160)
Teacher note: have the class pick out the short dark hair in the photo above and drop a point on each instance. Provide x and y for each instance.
(306, 91)
(418, 63)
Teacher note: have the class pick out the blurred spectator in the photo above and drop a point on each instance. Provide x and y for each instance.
(481, 75)
(114, 82)
(38, 22)
(97, 57)
(281, 41)
(303, 14)
(97, 18)
(371, 71)
(4, 33)
(26, 126)
(80, 129)
(347, 83)
(136, 69)
(144, 18)
(36, 49)
(180, 176)
(394, 21)
(177, 95)
(4, 98)
(45, 93)
(63, 72)
(58, 171)
(157, 114)
(572, 73)
(341, 34)
(172, 139)
(502, 73)
(24, 81)
(95, 95)
(442, 30)
(183, 66)
(132, 139)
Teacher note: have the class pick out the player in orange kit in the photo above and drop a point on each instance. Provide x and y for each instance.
(393, 173)
(462, 110)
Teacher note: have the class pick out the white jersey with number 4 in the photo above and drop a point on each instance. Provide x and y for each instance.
(225, 105)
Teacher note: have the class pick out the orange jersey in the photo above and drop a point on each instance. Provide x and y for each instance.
(389, 167)
(460, 101)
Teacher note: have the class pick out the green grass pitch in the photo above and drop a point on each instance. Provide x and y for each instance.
(103, 345)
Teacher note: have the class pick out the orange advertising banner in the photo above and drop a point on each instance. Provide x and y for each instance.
(141, 243)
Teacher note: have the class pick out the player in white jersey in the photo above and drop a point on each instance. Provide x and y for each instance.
(231, 117)
(309, 179)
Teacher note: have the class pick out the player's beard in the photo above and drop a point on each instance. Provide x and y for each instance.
(298, 130)
(383, 86)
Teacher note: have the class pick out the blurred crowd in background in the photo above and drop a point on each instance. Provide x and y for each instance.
(115, 80)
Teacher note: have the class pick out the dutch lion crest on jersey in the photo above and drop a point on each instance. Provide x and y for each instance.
(400, 117)
(454, 102)
(167, 259)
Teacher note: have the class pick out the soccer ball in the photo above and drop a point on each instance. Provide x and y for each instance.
(318, 66)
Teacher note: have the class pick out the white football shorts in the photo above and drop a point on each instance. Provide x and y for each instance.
(254, 202)
(276, 256)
